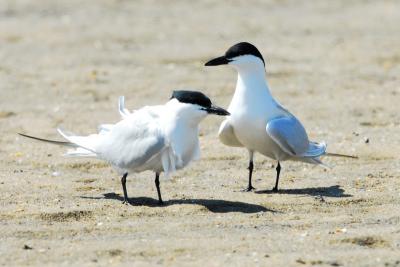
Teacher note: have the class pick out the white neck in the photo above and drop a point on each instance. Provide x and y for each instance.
(251, 87)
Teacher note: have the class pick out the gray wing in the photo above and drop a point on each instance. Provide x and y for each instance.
(227, 135)
(133, 141)
(289, 134)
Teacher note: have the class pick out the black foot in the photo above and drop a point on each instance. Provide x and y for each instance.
(275, 189)
(126, 202)
(161, 203)
(248, 189)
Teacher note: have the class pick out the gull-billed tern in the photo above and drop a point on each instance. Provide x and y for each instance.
(258, 122)
(161, 138)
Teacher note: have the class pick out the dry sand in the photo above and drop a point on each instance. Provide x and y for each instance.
(335, 64)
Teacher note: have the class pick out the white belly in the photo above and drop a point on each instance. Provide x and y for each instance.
(251, 132)
(180, 161)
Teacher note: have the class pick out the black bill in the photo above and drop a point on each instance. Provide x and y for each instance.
(217, 111)
(217, 61)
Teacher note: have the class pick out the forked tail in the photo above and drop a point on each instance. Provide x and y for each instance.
(319, 150)
(55, 142)
(315, 150)
(83, 146)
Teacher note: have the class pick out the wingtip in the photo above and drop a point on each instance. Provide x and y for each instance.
(63, 143)
(24, 135)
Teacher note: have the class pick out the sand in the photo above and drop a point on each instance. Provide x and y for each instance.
(334, 64)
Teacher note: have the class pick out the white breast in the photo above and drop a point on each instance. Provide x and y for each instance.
(251, 108)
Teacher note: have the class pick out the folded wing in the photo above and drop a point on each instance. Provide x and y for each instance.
(129, 144)
(292, 138)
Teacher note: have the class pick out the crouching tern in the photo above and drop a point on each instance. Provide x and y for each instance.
(161, 138)
(258, 122)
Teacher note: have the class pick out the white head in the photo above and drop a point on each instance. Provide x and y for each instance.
(194, 106)
(242, 56)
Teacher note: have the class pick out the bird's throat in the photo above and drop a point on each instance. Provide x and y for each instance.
(251, 88)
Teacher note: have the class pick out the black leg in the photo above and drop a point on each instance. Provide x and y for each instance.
(123, 182)
(157, 181)
(250, 168)
(278, 171)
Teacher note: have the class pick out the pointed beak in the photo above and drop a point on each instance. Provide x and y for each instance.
(217, 61)
(217, 111)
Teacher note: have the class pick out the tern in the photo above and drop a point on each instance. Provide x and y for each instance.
(161, 138)
(257, 121)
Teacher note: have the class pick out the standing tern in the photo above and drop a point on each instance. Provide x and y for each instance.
(258, 122)
(161, 138)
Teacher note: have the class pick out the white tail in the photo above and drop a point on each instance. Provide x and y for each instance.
(80, 152)
(86, 144)
(76, 152)
(315, 150)
(121, 107)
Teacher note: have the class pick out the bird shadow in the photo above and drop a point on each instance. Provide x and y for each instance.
(213, 205)
(330, 191)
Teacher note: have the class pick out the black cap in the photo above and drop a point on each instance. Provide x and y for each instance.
(198, 98)
(192, 97)
(239, 49)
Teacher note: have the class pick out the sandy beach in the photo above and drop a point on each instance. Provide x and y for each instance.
(334, 64)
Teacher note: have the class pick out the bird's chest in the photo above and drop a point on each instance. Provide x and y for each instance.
(250, 130)
(185, 144)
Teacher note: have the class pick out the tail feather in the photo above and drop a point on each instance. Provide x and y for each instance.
(121, 106)
(78, 149)
(319, 150)
(318, 162)
(55, 142)
(340, 155)
(315, 150)
(79, 152)
(86, 142)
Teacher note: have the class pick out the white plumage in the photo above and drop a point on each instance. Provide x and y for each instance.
(161, 138)
(258, 122)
